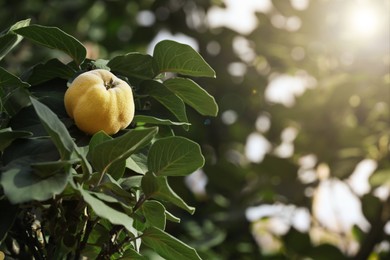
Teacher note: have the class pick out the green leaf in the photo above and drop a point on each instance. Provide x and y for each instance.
(168, 246)
(110, 156)
(149, 184)
(171, 217)
(141, 119)
(98, 138)
(371, 207)
(100, 64)
(297, 241)
(137, 163)
(54, 38)
(50, 70)
(325, 252)
(381, 177)
(171, 56)
(135, 65)
(47, 169)
(55, 128)
(114, 188)
(9, 40)
(21, 185)
(13, 93)
(7, 136)
(7, 43)
(104, 211)
(158, 188)
(131, 254)
(167, 98)
(193, 95)
(154, 213)
(174, 156)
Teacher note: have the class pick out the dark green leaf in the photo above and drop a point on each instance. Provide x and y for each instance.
(133, 65)
(137, 163)
(168, 246)
(47, 169)
(141, 119)
(13, 93)
(149, 184)
(114, 188)
(50, 70)
(193, 95)
(371, 207)
(98, 138)
(20, 184)
(158, 188)
(7, 43)
(171, 56)
(297, 241)
(131, 254)
(55, 128)
(9, 40)
(54, 38)
(103, 210)
(154, 212)
(174, 156)
(110, 156)
(325, 252)
(7, 136)
(167, 98)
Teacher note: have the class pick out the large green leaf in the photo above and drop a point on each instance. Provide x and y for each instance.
(55, 128)
(193, 95)
(158, 188)
(154, 213)
(168, 246)
(50, 70)
(13, 93)
(9, 40)
(54, 38)
(104, 211)
(174, 156)
(20, 184)
(7, 136)
(171, 56)
(167, 98)
(135, 65)
(110, 156)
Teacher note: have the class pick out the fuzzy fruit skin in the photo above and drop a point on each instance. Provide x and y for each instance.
(94, 107)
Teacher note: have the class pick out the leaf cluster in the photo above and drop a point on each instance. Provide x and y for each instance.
(69, 195)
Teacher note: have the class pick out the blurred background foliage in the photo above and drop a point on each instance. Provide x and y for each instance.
(297, 162)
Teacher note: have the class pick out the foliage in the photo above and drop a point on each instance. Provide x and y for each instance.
(341, 120)
(69, 195)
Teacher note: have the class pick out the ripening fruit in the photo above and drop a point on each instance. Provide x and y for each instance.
(98, 100)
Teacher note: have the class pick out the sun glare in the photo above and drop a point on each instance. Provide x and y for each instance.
(364, 21)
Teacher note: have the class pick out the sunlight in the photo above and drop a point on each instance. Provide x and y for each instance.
(363, 21)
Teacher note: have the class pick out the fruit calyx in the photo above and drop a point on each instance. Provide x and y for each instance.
(110, 84)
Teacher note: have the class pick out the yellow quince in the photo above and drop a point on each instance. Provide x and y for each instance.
(98, 100)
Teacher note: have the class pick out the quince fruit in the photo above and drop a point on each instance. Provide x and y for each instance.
(98, 100)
